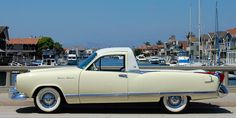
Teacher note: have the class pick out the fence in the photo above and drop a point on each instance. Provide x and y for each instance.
(231, 57)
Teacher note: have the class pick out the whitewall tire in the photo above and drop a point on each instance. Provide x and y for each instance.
(48, 100)
(175, 104)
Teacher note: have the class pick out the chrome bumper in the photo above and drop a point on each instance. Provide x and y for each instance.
(222, 91)
(16, 95)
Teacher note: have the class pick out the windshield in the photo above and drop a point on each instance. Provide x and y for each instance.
(87, 61)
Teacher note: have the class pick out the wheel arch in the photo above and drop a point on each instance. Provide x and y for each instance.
(38, 88)
(188, 96)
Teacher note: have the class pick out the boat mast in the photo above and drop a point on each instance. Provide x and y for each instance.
(217, 34)
(190, 30)
(199, 27)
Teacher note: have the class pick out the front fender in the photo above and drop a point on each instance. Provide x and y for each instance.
(67, 80)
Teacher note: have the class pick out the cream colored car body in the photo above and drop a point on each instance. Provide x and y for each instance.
(133, 85)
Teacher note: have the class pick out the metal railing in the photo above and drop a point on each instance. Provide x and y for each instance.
(6, 79)
(224, 69)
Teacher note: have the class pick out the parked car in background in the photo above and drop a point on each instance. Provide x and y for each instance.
(13, 63)
(154, 60)
(141, 58)
(72, 59)
(37, 63)
(157, 60)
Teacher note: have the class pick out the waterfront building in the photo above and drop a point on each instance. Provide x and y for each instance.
(231, 42)
(152, 50)
(4, 60)
(80, 52)
(209, 44)
(159, 49)
(22, 49)
(89, 52)
(183, 45)
(231, 47)
(174, 46)
(193, 46)
(3, 38)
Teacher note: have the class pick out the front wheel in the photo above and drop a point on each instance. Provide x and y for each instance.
(175, 104)
(48, 100)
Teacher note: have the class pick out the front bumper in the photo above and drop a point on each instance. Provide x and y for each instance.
(222, 91)
(16, 95)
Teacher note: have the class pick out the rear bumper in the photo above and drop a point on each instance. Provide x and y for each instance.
(16, 95)
(222, 91)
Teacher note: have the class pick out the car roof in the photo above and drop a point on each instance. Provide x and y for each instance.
(132, 63)
(115, 49)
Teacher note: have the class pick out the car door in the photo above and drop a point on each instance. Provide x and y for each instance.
(104, 81)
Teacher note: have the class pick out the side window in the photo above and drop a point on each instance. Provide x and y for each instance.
(109, 63)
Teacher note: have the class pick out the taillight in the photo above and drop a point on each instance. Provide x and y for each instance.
(221, 76)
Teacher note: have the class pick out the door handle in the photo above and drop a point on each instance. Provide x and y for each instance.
(123, 75)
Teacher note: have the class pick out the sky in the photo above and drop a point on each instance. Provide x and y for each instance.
(112, 23)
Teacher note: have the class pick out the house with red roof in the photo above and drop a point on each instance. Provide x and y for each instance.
(151, 50)
(22, 49)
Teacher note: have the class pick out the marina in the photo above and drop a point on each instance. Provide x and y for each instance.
(128, 58)
(196, 50)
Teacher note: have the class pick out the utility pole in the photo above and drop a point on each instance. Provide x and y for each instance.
(199, 27)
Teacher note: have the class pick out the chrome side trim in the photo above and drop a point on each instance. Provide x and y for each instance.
(194, 92)
(71, 95)
(143, 94)
(96, 95)
(137, 94)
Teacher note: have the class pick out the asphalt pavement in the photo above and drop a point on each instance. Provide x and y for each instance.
(211, 108)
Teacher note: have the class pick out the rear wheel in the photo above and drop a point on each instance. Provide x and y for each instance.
(48, 100)
(175, 104)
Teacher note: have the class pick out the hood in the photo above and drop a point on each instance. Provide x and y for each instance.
(54, 69)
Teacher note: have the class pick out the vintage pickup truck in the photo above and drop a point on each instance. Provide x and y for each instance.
(97, 80)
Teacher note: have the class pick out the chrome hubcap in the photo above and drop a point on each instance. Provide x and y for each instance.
(48, 100)
(174, 101)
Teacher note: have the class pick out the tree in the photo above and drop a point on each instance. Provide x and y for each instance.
(137, 52)
(159, 42)
(58, 48)
(44, 43)
(147, 43)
